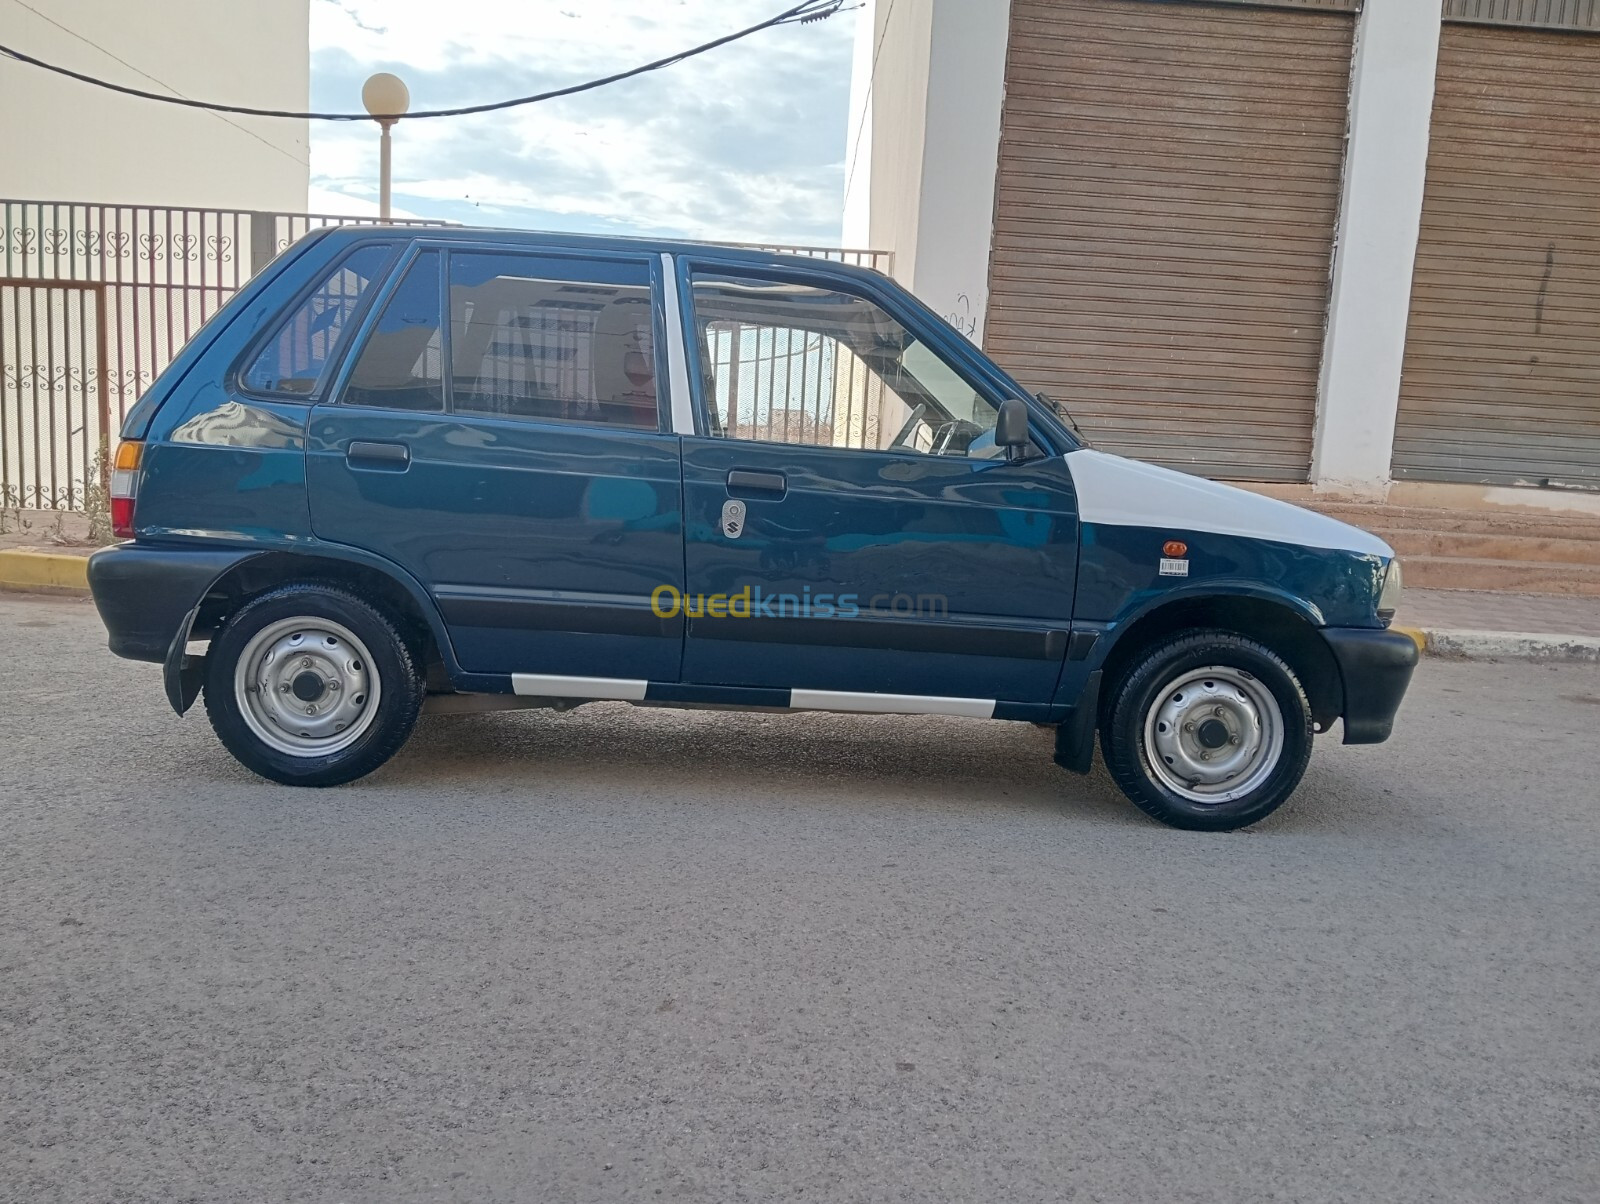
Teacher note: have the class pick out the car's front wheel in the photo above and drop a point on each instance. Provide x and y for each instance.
(310, 686)
(1208, 730)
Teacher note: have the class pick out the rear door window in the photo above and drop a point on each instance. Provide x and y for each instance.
(295, 359)
(553, 339)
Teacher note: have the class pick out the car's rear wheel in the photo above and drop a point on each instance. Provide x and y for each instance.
(1209, 731)
(310, 686)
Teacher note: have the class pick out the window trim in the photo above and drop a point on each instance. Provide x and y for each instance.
(975, 370)
(330, 380)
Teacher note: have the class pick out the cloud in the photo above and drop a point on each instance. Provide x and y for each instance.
(745, 143)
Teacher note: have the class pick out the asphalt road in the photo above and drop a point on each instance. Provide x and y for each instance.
(635, 954)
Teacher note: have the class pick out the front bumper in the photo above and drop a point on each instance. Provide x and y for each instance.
(1376, 668)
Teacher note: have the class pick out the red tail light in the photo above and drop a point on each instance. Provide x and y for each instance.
(125, 487)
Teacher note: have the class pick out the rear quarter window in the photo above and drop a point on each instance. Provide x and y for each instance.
(295, 359)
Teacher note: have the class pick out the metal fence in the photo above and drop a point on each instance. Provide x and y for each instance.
(95, 300)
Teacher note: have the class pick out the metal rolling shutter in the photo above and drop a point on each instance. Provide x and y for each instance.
(1501, 383)
(1168, 187)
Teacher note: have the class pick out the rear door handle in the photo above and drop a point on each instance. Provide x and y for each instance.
(394, 457)
(744, 483)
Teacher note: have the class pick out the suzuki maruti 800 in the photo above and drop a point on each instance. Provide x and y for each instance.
(464, 469)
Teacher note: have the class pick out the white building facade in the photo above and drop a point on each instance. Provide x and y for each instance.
(64, 140)
(1308, 241)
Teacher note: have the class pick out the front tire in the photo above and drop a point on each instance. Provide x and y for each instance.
(1208, 731)
(310, 686)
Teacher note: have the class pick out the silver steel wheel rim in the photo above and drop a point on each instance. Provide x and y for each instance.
(1213, 735)
(306, 687)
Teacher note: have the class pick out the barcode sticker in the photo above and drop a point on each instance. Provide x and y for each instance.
(1174, 568)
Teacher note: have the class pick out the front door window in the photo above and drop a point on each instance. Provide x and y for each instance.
(790, 363)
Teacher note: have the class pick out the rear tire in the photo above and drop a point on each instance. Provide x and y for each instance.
(1208, 731)
(310, 686)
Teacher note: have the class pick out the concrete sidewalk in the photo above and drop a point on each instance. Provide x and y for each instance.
(44, 550)
(1482, 625)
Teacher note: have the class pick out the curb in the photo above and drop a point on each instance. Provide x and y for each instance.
(1513, 645)
(32, 569)
(1504, 645)
(1418, 636)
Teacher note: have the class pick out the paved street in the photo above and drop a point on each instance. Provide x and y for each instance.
(630, 954)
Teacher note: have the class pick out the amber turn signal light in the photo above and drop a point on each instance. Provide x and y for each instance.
(125, 487)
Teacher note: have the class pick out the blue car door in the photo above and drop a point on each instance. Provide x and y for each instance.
(514, 458)
(851, 527)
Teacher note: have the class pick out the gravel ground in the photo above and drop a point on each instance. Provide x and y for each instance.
(637, 954)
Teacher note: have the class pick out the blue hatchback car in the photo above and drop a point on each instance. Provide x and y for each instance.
(473, 469)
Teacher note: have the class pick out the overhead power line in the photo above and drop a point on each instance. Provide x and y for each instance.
(810, 10)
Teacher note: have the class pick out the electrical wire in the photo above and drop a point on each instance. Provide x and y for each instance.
(804, 13)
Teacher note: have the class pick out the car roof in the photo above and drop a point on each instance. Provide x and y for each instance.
(754, 255)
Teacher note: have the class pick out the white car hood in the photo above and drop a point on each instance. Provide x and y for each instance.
(1120, 492)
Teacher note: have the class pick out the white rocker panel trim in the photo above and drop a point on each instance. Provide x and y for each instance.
(622, 689)
(890, 704)
(544, 685)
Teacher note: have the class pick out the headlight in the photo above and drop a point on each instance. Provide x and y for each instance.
(1389, 595)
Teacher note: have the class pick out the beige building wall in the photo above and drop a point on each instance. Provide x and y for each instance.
(61, 139)
(925, 97)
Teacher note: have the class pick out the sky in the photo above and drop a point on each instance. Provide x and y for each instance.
(745, 143)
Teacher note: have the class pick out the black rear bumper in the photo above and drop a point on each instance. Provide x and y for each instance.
(1376, 667)
(145, 595)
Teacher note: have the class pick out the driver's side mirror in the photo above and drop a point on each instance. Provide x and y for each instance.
(1011, 428)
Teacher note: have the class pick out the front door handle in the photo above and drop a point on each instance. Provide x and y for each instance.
(744, 483)
(394, 457)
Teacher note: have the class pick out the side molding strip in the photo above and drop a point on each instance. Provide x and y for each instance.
(545, 685)
(890, 704)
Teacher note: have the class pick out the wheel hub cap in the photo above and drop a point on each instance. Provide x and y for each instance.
(1213, 735)
(305, 686)
(308, 686)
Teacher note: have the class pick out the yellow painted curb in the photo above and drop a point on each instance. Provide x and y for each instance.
(1418, 636)
(27, 568)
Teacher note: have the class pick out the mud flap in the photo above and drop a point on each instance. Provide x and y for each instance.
(1075, 734)
(180, 672)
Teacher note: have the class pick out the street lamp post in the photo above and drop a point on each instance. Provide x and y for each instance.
(387, 98)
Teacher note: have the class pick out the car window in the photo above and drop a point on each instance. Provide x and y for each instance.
(552, 339)
(790, 363)
(295, 359)
(401, 364)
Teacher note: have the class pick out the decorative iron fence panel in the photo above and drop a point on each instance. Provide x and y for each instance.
(53, 400)
(150, 276)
